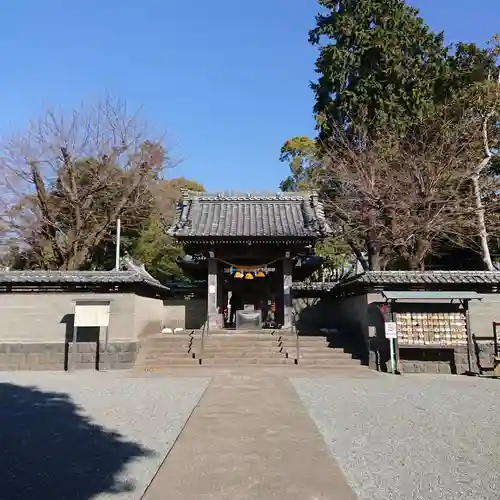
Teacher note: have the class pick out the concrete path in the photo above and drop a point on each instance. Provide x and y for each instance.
(250, 438)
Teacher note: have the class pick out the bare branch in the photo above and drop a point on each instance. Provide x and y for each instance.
(80, 171)
(486, 142)
(399, 197)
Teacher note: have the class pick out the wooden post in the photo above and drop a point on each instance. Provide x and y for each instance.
(287, 291)
(72, 359)
(470, 341)
(229, 307)
(212, 316)
(220, 299)
(106, 363)
(399, 369)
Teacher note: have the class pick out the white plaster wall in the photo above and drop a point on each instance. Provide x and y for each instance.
(149, 316)
(44, 317)
(187, 314)
(175, 314)
(482, 314)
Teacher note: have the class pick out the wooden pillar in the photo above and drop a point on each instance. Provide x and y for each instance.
(212, 313)
(287, 291)
(220, 298)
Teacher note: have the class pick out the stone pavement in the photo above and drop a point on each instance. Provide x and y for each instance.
(250, 438)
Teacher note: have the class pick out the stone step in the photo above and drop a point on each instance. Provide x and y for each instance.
(241, 347)
(171, 340)
(167, 361)
(304, 336)
(218, 361)
(167, 355)
(320, 354)
(309, 347)
(164, 339)
(288, 369)
(316, 348)
(240, 333)
(168, 347)
(350, 371)
(344, 363)
(313, 347)
(305, 341)
(240, 354)
(240, 339)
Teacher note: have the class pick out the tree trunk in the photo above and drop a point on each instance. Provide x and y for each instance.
(481, 223)
(480, 217)
(373, 257)
(75, 260)
(359, 256)
(373, 250)
(417, 260)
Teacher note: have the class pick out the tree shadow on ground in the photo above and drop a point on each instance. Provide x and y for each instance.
(49, 450)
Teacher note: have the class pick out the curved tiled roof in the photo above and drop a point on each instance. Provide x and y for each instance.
(402, 279)
(315, 286)
(133, 274)
(88, 277)
(427, 277)
(281, 215)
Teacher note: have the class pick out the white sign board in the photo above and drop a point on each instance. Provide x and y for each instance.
(91, 314)
(211, 289)
(391, 330)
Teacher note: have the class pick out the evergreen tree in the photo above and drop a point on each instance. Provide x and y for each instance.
(379, 66)
(301, 154)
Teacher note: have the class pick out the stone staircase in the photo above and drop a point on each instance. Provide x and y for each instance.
(226, 349)
(315, 351)
(164, 350)
(243, 349)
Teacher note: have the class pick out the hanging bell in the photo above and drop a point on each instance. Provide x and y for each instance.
(238, 274)
(249, 276)
(260, 274)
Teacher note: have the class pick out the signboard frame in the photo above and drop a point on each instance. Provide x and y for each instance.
(391, 334)
(90, 313)
(391, 331)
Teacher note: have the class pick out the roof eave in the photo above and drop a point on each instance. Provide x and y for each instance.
(236, 239)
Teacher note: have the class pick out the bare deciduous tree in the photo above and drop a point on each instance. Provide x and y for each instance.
(397, 198)
(69, 176)
(476, 174)
(485, 109)
(480, 105)
(354, 181)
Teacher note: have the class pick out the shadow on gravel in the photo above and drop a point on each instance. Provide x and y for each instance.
(49, 450)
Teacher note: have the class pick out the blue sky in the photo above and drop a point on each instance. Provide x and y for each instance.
(228, 80)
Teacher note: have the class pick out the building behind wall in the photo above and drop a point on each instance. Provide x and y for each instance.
(434, 312)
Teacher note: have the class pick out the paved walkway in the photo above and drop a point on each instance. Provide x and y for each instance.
(250, 438)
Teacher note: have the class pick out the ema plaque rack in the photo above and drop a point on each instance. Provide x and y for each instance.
(421, 328)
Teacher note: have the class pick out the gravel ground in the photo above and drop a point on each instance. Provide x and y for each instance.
(88, 435)
(414, 437)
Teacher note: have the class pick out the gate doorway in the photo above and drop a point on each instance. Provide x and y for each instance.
(254, 298)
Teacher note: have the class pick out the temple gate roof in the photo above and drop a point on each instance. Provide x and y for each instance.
(281, 215)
